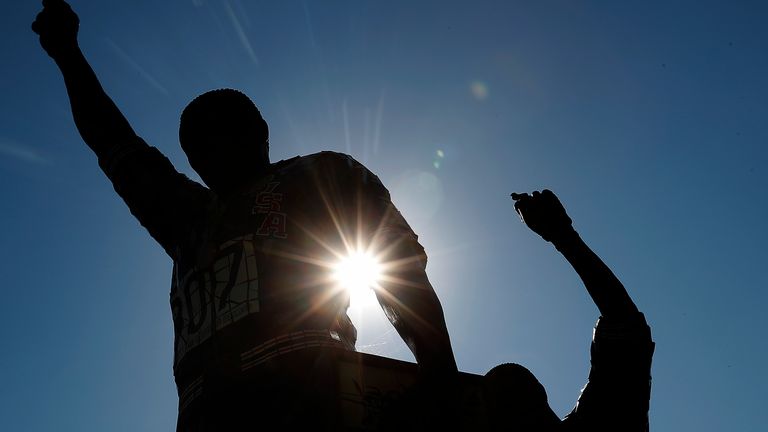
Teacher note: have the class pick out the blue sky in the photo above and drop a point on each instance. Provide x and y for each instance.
(647, 119)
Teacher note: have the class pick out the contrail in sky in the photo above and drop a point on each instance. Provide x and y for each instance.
(345, 117)
(21, 152)
(243, 14)
(240, 33)
(308, 20)
(321, 63)
(366, 134)
(297, 137)
(377, 123)
(144, 74)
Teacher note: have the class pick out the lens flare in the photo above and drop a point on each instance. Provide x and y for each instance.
(479, 90)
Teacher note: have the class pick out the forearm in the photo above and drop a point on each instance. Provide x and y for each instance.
(603, 286)
(99, 121)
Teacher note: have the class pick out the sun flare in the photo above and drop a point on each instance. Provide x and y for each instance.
(358, 273)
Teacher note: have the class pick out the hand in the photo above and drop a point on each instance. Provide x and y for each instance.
(543, 214)
(57, 26)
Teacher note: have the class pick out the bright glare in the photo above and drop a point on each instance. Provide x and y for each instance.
(358, 273)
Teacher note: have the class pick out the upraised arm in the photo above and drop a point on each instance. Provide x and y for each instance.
(165, 202)
(543, 213)
(618, 392)
(99, 121)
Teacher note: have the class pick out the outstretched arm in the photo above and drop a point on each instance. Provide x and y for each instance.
(99, 121)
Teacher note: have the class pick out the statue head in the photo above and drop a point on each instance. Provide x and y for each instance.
(516, 400)
(225, 138)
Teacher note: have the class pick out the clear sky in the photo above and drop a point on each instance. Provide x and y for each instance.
(647, 118)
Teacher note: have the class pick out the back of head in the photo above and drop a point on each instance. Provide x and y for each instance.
(222, 132)
(516, 400)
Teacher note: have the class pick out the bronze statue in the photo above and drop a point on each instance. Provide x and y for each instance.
(251, 296)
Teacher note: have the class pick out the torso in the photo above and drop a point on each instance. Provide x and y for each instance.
(253, 270)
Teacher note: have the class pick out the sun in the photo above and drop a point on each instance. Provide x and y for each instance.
(359, 273)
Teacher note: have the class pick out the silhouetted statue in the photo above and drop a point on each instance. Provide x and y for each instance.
(618, 393)
(251, 294)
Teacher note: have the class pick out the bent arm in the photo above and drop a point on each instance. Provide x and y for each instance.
(411, 305)
(404, 292)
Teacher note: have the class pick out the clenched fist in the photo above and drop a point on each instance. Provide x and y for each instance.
(543, 214)
(57, 26)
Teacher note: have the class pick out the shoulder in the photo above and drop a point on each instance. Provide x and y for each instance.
(339, 169)
(325, 162)
(334, 159)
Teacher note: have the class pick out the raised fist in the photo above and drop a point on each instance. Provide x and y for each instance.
(57, 26)
(543, 214)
